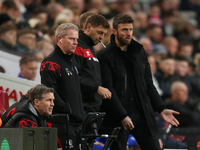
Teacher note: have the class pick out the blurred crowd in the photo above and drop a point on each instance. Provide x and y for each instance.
(169, 31)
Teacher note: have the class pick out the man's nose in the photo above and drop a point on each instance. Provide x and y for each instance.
(101, 37)
(75, 42)
(52, 103)
(129, 32)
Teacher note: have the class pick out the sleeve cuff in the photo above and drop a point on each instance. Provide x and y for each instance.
(123, 116)
(96, 88)
(161, 108)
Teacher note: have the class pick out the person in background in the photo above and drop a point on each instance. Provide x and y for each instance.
(39, 54)
(171, 45)
(180, 102)
(45, 46)
(186, 49)
(165, 75)
(11, 9)
(41, 14)
(153, 65)
(8, 34)
(146, 42)
(26, 40)
(28, 67)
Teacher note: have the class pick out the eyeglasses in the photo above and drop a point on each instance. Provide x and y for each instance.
(30, 38)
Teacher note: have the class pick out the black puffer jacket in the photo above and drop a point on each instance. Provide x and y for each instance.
(23, 114)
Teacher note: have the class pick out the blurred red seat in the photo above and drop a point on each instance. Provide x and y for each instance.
(4, 104)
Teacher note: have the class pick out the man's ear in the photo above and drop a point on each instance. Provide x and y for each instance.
(88, 27)
(36, 102)
(114, 32)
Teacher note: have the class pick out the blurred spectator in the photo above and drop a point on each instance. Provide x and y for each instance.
(39, 54)
(159, 52)
(53, 10)
(28, 67)
(147, 45)
(40, 13)
(10, 8)
(165, 75)
(123, 5)
(4, 18)
(195, 81)
(50, 36)
(185, 49)
(140, 24)
(188, 117)
(155, 10)
(131, 13)
(181, 30)
(8, 34)
(45, 46)
(182, 67)
(171, 45)
(43, 27)
(26, 40)
(75, 19)
(112, 8)
(65, 16)
(168, 6)
(193, 28)
(155, 34)
(97, 4)
(154, 16)
(153, 65)
(77, 4)
(168, 23)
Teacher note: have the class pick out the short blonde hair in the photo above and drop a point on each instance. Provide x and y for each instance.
(62, 29)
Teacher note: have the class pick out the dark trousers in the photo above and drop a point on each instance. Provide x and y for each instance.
(74, 136)
(141, 133)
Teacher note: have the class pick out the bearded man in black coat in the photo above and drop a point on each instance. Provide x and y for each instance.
(126, 73)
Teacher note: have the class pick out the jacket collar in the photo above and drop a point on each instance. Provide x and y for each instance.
(134, 46)
(34, 111)
(60, 52)
(86, 38)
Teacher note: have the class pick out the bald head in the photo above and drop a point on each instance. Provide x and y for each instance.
(179, 92)
(147, 44)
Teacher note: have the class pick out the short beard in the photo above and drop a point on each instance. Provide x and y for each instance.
(122, 41)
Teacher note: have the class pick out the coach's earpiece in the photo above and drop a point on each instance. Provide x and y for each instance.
(61, 41)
